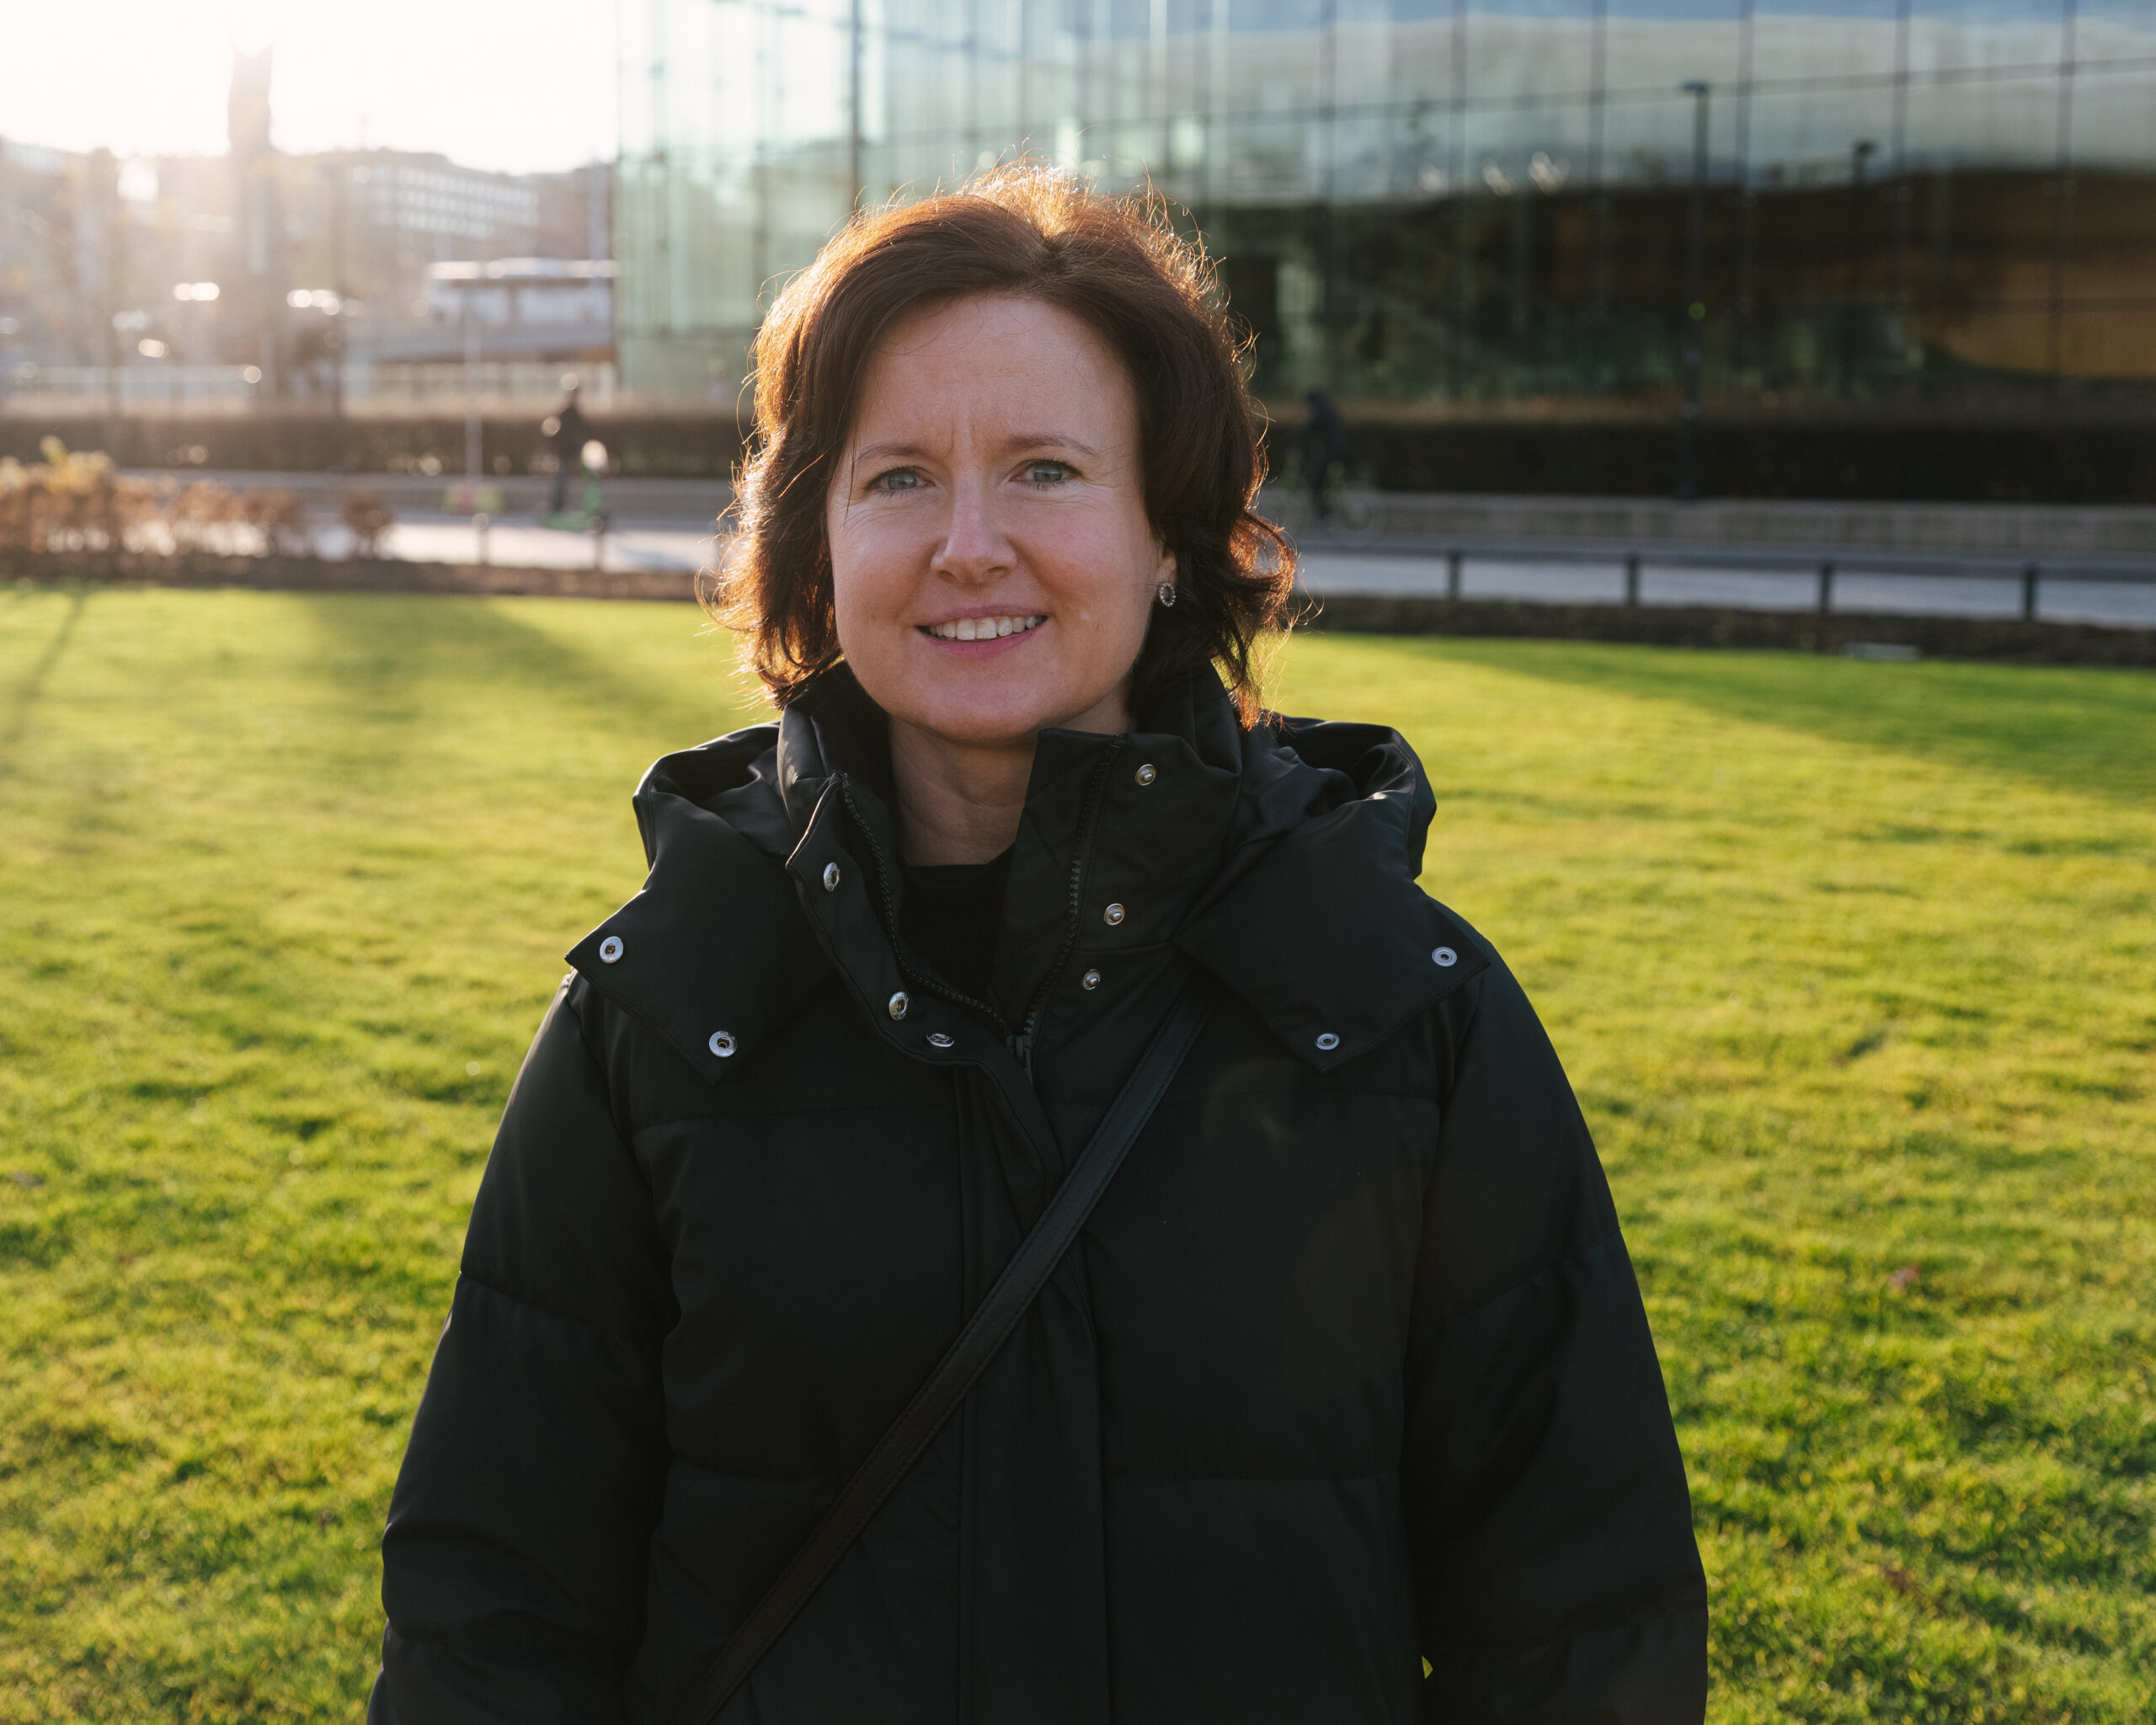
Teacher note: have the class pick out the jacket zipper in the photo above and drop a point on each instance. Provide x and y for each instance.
(1021, 1045)
(1020, 1041)
(913, 975)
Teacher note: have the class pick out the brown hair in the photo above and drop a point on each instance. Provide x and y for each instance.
(1116, 264)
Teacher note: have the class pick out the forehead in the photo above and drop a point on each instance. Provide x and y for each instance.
(994, 358)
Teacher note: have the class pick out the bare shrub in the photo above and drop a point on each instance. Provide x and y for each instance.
(282, 520)
(202, 516)
(366, 516)
(18, 504)
(77, 501)
(70, 501)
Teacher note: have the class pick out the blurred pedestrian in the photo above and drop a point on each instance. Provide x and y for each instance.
(566, 433)
(1344, 1380)
(1324, 442)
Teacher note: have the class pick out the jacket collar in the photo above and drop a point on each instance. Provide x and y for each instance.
(1091, 833)
(1282, 860)
(1317, 922)
(712, 956)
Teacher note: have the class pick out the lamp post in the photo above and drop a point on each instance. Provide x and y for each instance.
(341, 286)
(2062, 188)
(471, 388)
(1695, 302)
(853, 127)
(1860, 153)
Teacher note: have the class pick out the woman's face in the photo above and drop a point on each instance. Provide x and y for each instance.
(992, 566)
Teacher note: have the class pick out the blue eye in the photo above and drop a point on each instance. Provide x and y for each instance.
(1047, 472)
(898, 479)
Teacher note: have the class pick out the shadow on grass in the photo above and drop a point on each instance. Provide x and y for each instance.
(23, 699)
(387, 658)
(2089, 731)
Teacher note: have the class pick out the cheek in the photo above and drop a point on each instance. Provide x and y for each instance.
(860, 615)
(866, 569)
(1136, 563)
(1106, 577)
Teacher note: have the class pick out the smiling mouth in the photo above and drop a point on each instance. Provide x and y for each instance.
(981, 628)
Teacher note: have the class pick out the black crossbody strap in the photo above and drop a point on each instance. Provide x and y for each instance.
(985, 1333)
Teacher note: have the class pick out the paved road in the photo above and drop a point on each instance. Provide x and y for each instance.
(663, 544)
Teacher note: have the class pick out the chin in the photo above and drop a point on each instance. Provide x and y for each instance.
(981, 723)
(982, 703)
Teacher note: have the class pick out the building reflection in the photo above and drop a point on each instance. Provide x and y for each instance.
(1423, 203)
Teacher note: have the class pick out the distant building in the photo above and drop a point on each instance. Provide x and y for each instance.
(262, 275)
(1430, 200)
(59, 268)
(576, 212)
(554, 310)
(253, 279)
(405, 211)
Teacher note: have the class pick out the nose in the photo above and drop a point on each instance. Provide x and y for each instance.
(974, 548)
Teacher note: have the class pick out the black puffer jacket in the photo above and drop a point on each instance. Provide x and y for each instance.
(1347, 1373)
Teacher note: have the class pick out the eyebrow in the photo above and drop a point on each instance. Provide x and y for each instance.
(1011, 446)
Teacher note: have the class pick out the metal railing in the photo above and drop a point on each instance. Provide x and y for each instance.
(1823, 566)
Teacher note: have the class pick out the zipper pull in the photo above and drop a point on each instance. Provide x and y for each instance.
(1021, 1049)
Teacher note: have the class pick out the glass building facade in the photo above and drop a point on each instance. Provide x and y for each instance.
(1427, 202)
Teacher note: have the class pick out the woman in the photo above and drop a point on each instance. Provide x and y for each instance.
(1346, 1378)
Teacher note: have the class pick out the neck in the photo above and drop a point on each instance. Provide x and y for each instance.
(958, 802)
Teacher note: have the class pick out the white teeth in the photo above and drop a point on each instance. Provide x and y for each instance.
(984, 628)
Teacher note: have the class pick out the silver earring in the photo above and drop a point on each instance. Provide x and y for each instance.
(1167, 594)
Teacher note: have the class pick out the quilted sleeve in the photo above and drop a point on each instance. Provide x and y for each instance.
(514, 1563)
(1556, 1575)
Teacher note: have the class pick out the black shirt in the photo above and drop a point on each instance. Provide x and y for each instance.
(950, 915)
(571, 429)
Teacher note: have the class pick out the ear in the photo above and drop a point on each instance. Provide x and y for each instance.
(1165, 568)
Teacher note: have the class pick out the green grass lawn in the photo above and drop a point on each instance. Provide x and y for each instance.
(1853, 966)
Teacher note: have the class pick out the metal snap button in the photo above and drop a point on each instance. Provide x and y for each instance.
(610, 948)
(1145, 775)
(721, 1043)
(898, 1004)
(1377, 796)
(1445, 955)
(937, 1038)
(831, 877)
(1113, 915)
(1328, 1042)
(1091, 979)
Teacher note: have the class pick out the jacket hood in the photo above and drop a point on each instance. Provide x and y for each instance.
(1283, 860)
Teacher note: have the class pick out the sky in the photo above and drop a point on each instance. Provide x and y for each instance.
(519, 85)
